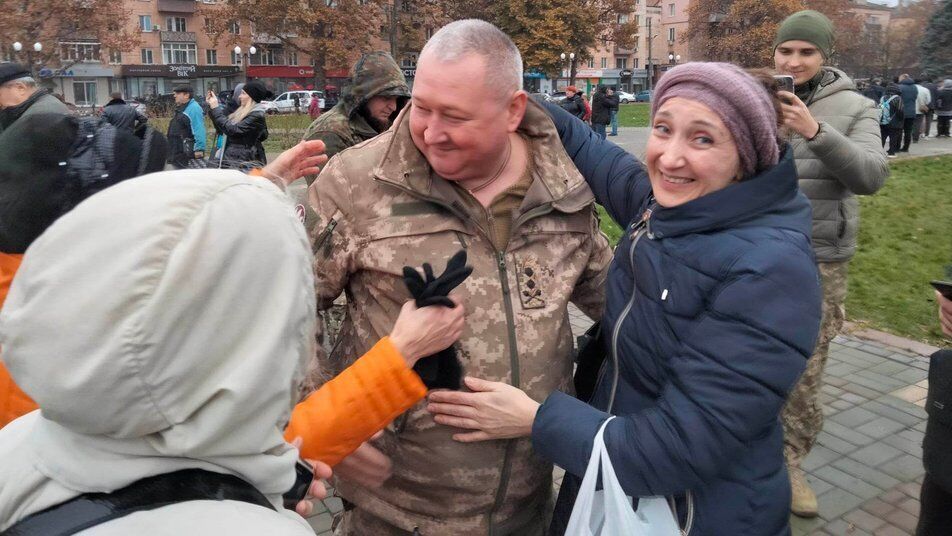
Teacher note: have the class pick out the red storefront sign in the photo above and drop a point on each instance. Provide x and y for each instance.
(281, 71)
(291, 71)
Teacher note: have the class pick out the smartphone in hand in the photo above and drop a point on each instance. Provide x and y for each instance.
(303, 476)
(944, 288)
(785, 82)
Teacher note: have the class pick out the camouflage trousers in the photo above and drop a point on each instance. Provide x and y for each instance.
(357, 522)
(803, 415)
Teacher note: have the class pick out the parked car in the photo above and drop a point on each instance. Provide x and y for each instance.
(270, 107)
(557, 97)
(284, 103)
(624, 97)
(644, 96)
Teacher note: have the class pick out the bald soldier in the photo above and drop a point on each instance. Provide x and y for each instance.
(471, 163)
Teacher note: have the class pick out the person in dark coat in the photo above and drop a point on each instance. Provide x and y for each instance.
(613, 103)
(909, 95)
(573, 103)
(874, 91)
(123, 115)
(892, 130)
(601, 111)
(20, 97)
(943, 108)
(186, 133)
(712, 310)
(245, 129)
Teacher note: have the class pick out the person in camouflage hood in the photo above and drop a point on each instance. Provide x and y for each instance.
(377, 93)
(471, 164)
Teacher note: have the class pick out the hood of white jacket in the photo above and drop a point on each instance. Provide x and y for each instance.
(164, 323)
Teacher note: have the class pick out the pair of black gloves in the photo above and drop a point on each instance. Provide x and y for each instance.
(443, 369)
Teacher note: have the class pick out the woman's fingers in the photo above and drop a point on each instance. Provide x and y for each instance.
(454, 410)
(457, 422)
(453, 397)
(472, 437)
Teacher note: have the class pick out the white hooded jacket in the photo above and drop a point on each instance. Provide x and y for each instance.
(163, 324)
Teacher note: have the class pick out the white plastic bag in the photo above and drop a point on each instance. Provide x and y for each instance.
(608, 512)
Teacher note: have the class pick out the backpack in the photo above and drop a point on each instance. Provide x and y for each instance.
(93, 155)
(885, 115)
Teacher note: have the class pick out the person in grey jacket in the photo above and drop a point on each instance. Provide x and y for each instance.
(123, 115)
(20, 96)
(838, 150)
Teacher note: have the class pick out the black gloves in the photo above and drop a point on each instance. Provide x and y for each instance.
(442, 370)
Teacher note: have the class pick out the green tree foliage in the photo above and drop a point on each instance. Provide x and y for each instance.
(936, 44)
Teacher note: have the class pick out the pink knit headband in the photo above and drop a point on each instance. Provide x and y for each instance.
(737, 98)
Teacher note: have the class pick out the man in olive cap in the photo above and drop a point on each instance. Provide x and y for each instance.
(20, 96)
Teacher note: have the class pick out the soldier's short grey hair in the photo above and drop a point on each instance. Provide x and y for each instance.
(473, 36)
(26, 80)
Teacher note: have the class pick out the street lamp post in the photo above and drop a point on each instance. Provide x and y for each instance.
(674, 59)
(245, 60)
(18, 47)
(571, 62)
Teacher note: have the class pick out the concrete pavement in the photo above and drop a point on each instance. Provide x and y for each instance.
(867, 465)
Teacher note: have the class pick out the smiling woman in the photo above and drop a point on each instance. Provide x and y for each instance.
(712, 310)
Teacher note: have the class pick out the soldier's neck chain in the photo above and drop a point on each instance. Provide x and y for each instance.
(498, 174)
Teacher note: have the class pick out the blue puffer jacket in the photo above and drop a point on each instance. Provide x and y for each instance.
(712, 311)
(909, 95)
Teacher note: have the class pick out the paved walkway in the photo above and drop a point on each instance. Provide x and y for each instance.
(867, 465)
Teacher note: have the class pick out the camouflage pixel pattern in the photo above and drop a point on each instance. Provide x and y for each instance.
(379, 208)
(803, 415)
(342, 127)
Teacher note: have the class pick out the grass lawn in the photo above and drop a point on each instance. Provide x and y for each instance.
(634, 114)
(905, 241)
(283, 130)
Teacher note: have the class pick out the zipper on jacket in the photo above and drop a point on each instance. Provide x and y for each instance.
(325, 234)
(638, 231)
(514, 366)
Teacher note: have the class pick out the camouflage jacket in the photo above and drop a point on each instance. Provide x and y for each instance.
(379, 208)
(375, 74)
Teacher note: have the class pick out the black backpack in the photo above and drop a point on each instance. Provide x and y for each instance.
(91, 509)
(92, 156)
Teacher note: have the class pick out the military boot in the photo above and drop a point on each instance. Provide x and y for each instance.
(803, 502)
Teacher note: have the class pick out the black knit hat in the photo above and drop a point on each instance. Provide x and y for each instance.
(12, 71)
(257, 91)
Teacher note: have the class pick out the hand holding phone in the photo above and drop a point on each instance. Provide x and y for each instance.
(784, 82)
(944, 288)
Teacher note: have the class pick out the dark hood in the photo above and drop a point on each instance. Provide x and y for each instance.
(375, 74)
(771, 198)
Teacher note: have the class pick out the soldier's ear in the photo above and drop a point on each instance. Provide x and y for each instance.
(517, 109)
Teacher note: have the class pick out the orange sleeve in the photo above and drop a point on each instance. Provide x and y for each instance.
(13, 402)
(352, 407)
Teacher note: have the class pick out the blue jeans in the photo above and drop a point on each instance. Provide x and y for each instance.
(599, 129)
(614, 122)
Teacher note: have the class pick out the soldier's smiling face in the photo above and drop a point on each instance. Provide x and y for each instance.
(457, 120)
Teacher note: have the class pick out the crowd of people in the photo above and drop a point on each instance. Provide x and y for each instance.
(208, 327)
